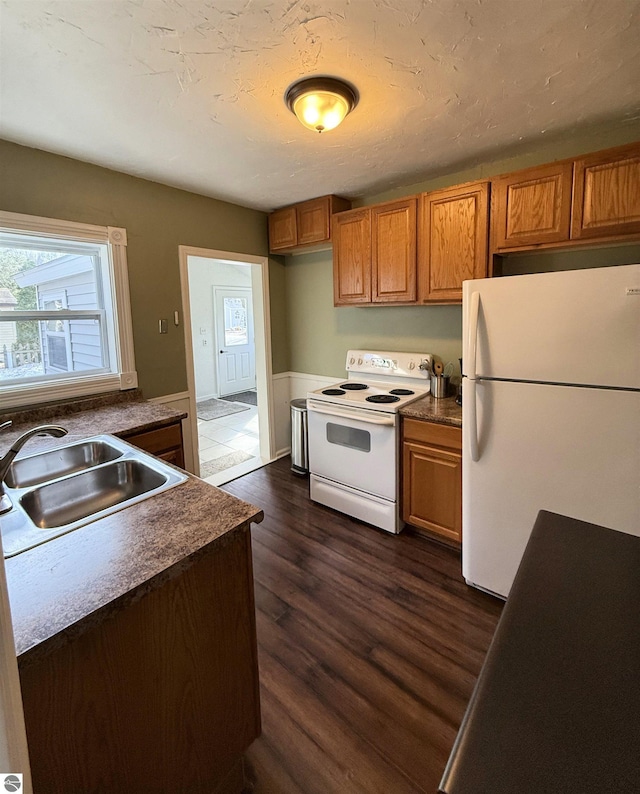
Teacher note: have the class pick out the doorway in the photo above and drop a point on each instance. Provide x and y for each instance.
(227, 339)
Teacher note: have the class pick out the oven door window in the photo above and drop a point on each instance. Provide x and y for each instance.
(351, 437)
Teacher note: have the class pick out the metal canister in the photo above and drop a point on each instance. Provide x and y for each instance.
(439, 386)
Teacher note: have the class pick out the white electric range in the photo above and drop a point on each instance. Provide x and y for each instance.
(354, 439)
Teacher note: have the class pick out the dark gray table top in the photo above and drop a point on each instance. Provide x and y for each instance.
(557, 704)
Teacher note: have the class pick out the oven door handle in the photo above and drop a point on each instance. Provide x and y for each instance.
(389, 421)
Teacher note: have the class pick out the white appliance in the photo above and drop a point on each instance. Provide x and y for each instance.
(354, 438)
(551, 410)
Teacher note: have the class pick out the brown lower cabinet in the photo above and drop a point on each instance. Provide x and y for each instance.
(161, 695)
(165, 443)
(432, 479)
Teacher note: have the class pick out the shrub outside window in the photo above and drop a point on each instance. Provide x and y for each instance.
(65, 318)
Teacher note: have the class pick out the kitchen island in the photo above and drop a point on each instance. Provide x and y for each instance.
(136, 646)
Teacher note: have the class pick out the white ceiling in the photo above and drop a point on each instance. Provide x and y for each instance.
(190, 92)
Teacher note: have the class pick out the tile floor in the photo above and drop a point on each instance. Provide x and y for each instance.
(219, 437)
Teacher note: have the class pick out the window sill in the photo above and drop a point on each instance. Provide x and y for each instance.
(18, 395)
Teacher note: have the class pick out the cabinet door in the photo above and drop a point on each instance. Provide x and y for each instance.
(312, 220)
(432, 478)
(352, 257)
(532, 207)
(607, 194)
(282, 229)
(393, 251)
(453, 240)
(433, 490)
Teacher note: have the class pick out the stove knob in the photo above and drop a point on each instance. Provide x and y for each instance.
(359, 361)
(352, 360)
(412, 365)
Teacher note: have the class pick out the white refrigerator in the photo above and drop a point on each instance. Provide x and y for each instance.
(551, 410)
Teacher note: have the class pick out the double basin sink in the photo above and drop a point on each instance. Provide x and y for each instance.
(65, 488)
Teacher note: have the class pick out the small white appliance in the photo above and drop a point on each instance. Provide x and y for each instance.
(551, 410)
(353, 426)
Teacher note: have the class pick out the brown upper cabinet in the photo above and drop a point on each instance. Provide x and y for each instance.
(532, 207)
(283, 229)
(393, 251)
(405, 261)
(453, 240)
(596, 197)
(304, 226)
(352, 257)
(374, 254)
(606, 194)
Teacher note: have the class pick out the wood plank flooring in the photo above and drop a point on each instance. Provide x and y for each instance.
(369, 647)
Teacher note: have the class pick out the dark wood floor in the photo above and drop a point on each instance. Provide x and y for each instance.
(369, 647)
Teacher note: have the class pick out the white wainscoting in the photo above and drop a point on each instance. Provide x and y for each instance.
(180, 402)
(289, 386)
(282, 423)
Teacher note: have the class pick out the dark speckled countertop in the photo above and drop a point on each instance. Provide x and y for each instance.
(443, 412)
(122, 419)
(61, 588)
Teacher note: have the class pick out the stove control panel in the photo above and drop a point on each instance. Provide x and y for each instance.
(399, 365)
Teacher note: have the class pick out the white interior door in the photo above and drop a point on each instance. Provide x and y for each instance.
(235, 349)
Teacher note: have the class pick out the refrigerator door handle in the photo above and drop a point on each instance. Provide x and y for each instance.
(470, 398)
(472, 337)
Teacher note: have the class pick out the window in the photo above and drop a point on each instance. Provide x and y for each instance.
(56, 335)
(235, 322)
(65, 320)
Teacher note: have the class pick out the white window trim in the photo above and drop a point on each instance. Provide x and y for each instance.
(116, 238)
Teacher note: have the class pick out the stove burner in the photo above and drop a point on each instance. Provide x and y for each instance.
(333, 392)
(402, 392)
(382, 398)
(353, 386)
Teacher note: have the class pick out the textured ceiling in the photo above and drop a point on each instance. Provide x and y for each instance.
(191, 93)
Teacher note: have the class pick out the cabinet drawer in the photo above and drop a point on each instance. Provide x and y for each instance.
(433, 434)
(160, 440)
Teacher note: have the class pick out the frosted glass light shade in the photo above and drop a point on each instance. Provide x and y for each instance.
(321, 103)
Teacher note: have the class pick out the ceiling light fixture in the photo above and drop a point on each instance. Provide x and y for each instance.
(321, 103)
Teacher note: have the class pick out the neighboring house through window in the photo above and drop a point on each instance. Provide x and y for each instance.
(72, 319)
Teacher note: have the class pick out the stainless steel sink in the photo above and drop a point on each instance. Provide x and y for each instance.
(48, 466)
(63, 489)
(69, 500)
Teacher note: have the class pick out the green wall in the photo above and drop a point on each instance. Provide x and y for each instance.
(320, 334)
(158, 219)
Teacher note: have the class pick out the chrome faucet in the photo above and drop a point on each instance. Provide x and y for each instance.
(7, 460)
